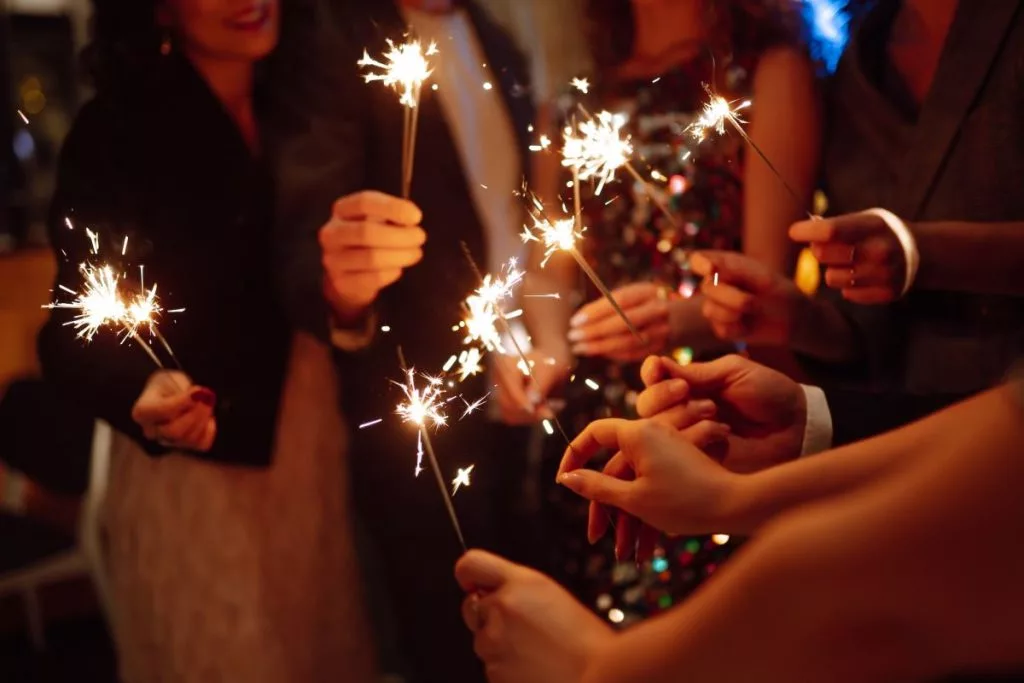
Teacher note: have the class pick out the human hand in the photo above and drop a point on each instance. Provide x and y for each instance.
(658, 477)
(863, 256)
(522, 398)
(597, 330)
(366, 244)
(745, 300)
(526, 627)
(765, 410)
(175, 413)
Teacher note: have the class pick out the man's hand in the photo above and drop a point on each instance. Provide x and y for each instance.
(175, 413)
(864, 259)
(745, 301)
(766, 411)
(369, 240)
(526, 627)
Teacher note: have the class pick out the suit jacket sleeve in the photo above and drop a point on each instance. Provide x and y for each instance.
(858, 415)
(103, 376)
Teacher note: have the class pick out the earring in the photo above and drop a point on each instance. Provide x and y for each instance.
(165, 44)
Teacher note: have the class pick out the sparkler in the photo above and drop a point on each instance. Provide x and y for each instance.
(425, 407)
(717, 112)
(462, 478)
(596, 148)
(562, 235)
(404, 69)
(494, 294)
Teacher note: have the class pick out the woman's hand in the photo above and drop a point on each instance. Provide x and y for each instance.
(863, 256)
(525, 626)
(176, 414)
(521, 399)
(746, 301)
(657, 476)
(597, 330)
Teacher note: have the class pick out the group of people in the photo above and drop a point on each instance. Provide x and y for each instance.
(236, 148)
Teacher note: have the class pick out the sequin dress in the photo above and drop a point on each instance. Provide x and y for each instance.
(629, 240)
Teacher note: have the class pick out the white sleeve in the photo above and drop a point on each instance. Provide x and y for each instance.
(818, 430)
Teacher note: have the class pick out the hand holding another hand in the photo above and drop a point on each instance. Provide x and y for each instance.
(366, 244)
(175, 413)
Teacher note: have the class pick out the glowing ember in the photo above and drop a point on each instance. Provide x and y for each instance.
(597, 148)
(404, 69)
(462, 478)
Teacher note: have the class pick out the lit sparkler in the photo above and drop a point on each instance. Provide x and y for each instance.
(717, 113)
(562, 235)
(581, 84)
(404, 69)
(424, 407)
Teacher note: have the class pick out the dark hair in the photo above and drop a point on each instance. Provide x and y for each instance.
(126, 38)
(758, 24)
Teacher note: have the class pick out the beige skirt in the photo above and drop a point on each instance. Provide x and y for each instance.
(224, 573)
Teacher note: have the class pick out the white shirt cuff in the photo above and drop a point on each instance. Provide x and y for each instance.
(911, 256)
(818, 429)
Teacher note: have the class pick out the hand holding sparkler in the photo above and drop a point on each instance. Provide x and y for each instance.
(366, 244)
(175, 417)
(595, 330)
(405, 69)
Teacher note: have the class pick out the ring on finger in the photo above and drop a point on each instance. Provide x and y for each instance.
(853, 276)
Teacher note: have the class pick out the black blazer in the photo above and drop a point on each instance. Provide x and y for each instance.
(160, 161)
(340, 135)
(858, 415)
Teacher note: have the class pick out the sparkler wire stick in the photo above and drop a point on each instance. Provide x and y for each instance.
(589, 272)
(436, 467)
(410, 157)
(515, 342)
(768, 162)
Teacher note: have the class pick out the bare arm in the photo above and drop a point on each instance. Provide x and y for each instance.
(809, 600)
(787, 128)
(984, 258)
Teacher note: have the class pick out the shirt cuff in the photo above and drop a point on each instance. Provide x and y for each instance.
(354, 338)
(818, 429)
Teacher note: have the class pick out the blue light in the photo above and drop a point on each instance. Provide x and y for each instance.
(659, 564)
(829, 24)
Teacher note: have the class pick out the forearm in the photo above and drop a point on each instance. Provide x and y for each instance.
(983, 258)
(758, 498)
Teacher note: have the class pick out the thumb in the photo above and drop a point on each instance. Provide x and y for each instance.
(597, 487)
(732, 268)
(479, 570)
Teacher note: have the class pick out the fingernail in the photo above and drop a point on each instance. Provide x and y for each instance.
(580, 349)
(570, 480)
(677, 388)
(578, 319)
(705, 408)
(575, 335)
(204, 396)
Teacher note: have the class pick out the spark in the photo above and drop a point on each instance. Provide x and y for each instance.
(450, 363)
(553, 295)
(717, 112)
(596, 148)
(592, 384)
(473, 407)
(385, 328)
(554, 235)
(525, 367)
(483, 306)
(23, 117)
(470, 363)
(462, 478)
(94, 240)
(581, 84)
(423, 407)
(98, 304)
(404, 69)
(67, 222)
(371, 423)
(124, 245)
(548, 428)
(487, 85)
(543, 143)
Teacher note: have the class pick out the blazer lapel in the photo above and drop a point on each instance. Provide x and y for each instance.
(975, 40)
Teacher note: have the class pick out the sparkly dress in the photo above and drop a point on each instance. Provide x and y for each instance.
(629, 240)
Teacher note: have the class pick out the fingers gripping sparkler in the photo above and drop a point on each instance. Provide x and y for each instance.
(424, 407)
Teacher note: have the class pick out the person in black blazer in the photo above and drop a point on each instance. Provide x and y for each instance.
(227, 538)
(345, 136)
